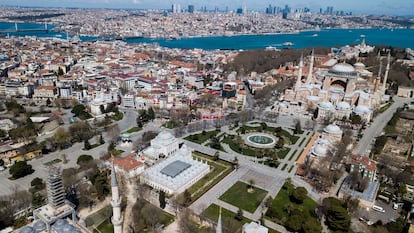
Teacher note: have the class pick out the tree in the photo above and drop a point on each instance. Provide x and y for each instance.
(187, 198)
(294, 222)
(80, 131)
(216, 155)
(60, 137)
(299, 194)
(337, 217)
(86, 145)
(48, 102)
(311, 225)
(161, 198)
(151, 215)
(20, 169)
(251, 184)
(101, 139)
(83, 159)
(151, 113)
(239, 215)
(37, 183)
(298, 127)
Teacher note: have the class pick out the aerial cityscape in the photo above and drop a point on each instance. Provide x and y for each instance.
(199, 117)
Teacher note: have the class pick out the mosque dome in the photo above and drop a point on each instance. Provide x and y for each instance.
(361, 109)
(359, 65)
(343, 106)
(39, 226)
(165, 136)
(332, 129)
(343, 70)
(325, 105)
(26, 229)
(320, 150)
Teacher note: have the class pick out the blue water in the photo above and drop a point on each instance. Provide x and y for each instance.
(327, 38)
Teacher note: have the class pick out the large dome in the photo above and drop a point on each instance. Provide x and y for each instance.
(165, 136)
(332, 129)
(343, 106)
(343, 70)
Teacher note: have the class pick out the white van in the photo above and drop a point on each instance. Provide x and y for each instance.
(378, 208)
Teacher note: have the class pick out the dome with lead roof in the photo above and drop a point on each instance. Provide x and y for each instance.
(343, 106)
(332, 129)
(343, 70)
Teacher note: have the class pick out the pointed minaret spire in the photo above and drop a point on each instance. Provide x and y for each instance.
(378, 79)
(115, 202)
(219, 227)
(310, 73)
(299, 78)
(384, 84)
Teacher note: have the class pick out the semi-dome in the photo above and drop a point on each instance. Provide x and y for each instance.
(362, 109)
(359, 65)
(343, 106)
(325, 105)
(332, 129)
(343, 70)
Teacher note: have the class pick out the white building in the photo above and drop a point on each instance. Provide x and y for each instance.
(128, 101)
(254, 228)
(96, 106)
(163, 145)
(176, 173)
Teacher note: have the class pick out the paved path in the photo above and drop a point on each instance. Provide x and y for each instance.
(375, 129)
(267, 178)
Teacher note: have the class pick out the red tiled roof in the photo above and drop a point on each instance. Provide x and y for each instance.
(127, 163)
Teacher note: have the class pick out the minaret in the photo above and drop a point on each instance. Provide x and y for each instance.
(299, 79)
(378, 79)
(219, 227)
(116, 203)
(384, 84)
(310, 73)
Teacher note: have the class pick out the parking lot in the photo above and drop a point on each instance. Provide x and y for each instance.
(389, 214)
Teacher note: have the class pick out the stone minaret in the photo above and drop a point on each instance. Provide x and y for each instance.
(219, 227)
(310, 73)
(116, 203)
(378, 79)
(299, 79)
(384, 84)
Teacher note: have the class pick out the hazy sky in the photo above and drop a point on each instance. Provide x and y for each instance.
(394, 7)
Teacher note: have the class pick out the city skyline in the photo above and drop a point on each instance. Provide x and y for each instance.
(397, 7)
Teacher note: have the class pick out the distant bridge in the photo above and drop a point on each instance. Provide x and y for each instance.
(16, 29)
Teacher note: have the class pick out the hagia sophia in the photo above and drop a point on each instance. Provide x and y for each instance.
(336, 90)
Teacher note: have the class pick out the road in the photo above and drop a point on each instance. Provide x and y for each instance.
(73, 152)
(375, 129)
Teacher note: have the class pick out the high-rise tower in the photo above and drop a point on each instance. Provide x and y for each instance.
(54, 186)
(116, 203)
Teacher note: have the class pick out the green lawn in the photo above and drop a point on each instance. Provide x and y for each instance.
(238, 196)
(282, 153)
(212, 178)
(279, 209)
(134, 129)
(212, 213)
(201, 138)
(105, 227)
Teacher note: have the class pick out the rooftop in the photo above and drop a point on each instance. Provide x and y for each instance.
(175, 168)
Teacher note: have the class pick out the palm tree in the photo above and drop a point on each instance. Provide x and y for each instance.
(251, 183)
